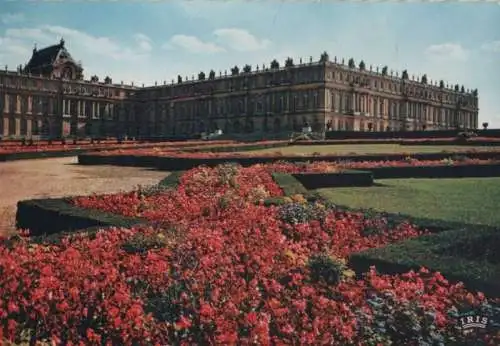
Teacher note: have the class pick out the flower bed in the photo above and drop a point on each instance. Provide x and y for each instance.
(10, 152)
(9, 148)
(175, 160)
(222, 268)
(405, 141)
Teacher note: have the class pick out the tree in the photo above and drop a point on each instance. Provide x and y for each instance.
(94, 79)
(201, 75)
(235, 71)
(485, 126)
(404, 75)
(108, 80)
(211, 75)
(179, 79)
(441, 84)
(351, 63)
(362, 65)
(424, 79)
(289, 62)
(324, 57)
(384, 70)
(275, 64)
(247, 68)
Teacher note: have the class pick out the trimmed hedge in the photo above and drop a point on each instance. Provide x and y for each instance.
(180, 163)
(433, 252)
(402, 142)
(55, 215)
(346, 178)
(406, 134)
(42, 154)
(444, 171)
(235, 148)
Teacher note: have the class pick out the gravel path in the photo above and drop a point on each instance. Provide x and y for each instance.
(61, 177)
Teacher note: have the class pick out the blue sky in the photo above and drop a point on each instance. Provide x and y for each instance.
(146, 42)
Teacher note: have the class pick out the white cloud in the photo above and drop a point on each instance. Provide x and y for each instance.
(492, 46)
(446, 52)
(11, 18)
(144, 42)
(193, 44)
(241, 40)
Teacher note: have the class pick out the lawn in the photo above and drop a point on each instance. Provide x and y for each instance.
(342, 149)
(469, 200)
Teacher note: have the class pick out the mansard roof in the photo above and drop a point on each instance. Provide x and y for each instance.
(45, 58)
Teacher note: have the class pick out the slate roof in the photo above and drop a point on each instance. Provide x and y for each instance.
(44, 57)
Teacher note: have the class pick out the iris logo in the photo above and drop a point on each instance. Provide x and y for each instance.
(467, 323)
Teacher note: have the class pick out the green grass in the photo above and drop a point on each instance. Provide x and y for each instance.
(467, 200)
(341, 149)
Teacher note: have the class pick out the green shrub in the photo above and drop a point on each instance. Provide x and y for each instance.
(141, 243)
(324, 268)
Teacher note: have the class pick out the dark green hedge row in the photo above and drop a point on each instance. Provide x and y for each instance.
(56, 215)
(444, 171)
(457, 142)
(406, 134)
(460, 142)
(466, 254)
(347, 178)
(41, 154)
(179, 163)
(235, 148)
(46, 216)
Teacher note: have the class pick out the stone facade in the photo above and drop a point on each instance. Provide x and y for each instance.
(267, 101)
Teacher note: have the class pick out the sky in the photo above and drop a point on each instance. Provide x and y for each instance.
(144, 42)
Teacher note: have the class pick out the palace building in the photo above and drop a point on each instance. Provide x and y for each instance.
(49, 97)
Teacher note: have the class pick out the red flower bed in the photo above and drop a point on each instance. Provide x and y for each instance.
(161, 152)
(219, 269)
(8, 148)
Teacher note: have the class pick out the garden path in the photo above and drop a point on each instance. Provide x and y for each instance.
(59, 177)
